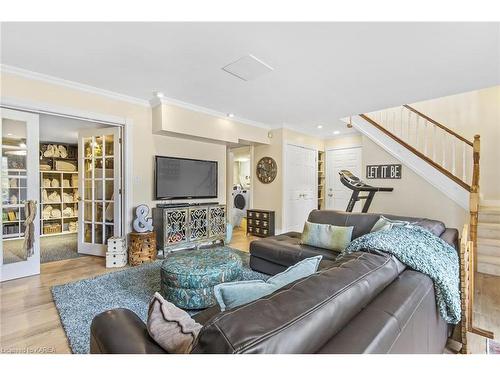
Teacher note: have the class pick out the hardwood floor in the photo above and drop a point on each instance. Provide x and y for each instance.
(28, 316)
(29, 320)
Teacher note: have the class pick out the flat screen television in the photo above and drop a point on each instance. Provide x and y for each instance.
(179, 178)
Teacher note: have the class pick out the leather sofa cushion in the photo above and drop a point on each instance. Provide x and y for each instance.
(385, 323)
(363, 222)
(277, 323)
(286, 249)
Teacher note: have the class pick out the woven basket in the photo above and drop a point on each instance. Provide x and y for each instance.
(51, 228)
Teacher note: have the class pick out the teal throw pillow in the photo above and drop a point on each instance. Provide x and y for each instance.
(326, 236)
(237, 293)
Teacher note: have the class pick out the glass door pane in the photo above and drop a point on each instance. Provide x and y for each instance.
(100, 181)
(19, 183)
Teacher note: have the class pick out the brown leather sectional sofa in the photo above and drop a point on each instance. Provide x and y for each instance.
(362, 303)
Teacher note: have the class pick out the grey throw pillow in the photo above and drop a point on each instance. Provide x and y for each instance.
(171, 327)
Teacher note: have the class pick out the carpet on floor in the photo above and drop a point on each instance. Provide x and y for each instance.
(131, 288)
(52, 248)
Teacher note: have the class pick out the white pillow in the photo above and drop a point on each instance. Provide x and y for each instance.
(385, 224)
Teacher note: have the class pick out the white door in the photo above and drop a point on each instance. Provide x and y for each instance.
(301, 187)
(99, 178)
(19, 183)
(337, 195)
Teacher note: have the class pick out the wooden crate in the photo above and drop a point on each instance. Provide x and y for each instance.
(141, 248)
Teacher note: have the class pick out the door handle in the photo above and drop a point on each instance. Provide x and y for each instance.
(330, 195)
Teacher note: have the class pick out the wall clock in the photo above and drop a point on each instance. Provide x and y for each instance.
(267, 169)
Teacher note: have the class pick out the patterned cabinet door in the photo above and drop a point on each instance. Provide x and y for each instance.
(176, 228)
(198, 223)
(217, 221)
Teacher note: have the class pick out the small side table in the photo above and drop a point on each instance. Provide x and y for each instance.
(141, 248)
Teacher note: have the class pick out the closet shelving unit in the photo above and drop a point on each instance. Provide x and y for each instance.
(13, 188)
(321, 180)
(67, 182)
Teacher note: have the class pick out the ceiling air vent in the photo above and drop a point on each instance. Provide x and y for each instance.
(247, 68)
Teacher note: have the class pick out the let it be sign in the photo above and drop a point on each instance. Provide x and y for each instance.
(384, 171)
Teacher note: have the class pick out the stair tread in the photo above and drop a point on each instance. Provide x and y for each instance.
(488, 259)
(488, 241)
(489, 209)
(489, 225)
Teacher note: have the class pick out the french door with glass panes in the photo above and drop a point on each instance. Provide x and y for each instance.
(19, 185)
(99, 211)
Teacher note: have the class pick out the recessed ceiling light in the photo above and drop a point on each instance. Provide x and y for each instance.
(9, 134)
(159, 94)
(336, 132)
(230, 115)
(320, 126)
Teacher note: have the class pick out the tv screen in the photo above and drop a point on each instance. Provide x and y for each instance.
(178, 178)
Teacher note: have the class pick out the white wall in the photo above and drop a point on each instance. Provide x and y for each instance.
(470, 113)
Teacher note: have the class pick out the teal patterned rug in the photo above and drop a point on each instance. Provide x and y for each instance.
(131, 288)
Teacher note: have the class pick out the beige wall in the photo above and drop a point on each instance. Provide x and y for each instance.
(270, 196)
(173, 120)
(475, 112)
(300, 139)
(352, 140)
(145, 143)
(412, 195)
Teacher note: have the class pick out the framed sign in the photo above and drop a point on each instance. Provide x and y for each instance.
(384, 171)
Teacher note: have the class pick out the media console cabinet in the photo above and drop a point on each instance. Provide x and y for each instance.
(189, 226)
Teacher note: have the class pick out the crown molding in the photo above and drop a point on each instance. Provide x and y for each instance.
(196, 108)
(72, 85)
(122, 97)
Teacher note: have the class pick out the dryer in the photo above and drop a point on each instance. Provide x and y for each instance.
(240, 202)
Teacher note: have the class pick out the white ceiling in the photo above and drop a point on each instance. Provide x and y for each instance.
(322, 71)
(62, 129)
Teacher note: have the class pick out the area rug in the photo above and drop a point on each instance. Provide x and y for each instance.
(52, 248)
(132, 288)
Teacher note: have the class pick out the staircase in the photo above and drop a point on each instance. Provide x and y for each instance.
(449, 162)
(488, 240)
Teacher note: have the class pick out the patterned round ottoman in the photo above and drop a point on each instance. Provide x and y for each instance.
(188, 277)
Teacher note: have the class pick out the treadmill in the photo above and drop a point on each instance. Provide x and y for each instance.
(356, 185)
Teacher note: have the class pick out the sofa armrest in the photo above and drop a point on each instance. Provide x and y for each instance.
(450, 235)
(121, 331)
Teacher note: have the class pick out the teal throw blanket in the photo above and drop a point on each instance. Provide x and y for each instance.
(422, 251)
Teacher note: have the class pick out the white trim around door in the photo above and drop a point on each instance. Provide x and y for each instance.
(125, 122)
(330, 174)
(303, 193)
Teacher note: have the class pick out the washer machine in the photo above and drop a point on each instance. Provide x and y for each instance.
(240, 203)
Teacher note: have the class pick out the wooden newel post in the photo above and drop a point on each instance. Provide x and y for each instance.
(474, 213)
(474, 198)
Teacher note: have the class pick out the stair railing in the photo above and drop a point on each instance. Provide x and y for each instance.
(447, 151)
(458, 159)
